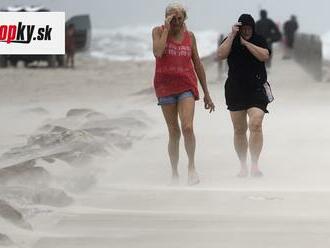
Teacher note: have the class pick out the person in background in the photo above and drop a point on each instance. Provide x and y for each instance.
(269, 30)
(70, 45)
(290, 27)
(175, 82)
(246, 53)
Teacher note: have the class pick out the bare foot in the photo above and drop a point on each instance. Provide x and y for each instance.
(193, 178)
(255, 172)
(243, 172)
(175, 180)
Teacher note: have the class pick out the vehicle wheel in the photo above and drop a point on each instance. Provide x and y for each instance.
(60, 60)
(3, 61)
(51, 61)
(14, 63)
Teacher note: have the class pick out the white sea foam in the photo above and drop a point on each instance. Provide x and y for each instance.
(135, 43)
(326, 45)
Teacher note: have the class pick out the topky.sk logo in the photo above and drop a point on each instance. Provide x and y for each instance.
(32, 33)
(24, 33)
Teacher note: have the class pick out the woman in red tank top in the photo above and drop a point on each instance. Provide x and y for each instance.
(175, 82)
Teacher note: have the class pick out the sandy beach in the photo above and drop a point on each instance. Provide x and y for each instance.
(84, 163)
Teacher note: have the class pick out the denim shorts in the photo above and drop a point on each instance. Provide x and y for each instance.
(172, 99)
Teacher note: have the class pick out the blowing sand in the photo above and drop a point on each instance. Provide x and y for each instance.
(84, 163)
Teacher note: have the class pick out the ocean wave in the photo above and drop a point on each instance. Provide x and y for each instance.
(135, 43)
(326, 45)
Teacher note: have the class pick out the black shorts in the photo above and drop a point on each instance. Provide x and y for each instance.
(240, 98)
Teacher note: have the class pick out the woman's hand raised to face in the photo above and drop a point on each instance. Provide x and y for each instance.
(168, 20)
(235, 28)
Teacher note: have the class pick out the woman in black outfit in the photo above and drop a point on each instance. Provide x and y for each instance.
(246, 53)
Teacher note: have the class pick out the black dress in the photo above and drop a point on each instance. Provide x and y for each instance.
(246, 75)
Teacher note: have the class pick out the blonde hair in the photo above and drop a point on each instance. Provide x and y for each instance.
(176, 6)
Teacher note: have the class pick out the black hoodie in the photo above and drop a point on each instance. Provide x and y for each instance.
(243, 66)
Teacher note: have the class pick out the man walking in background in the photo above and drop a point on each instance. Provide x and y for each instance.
(269, 30)
(289, 28)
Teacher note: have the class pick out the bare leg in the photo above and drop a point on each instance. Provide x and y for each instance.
(239, 120)
(186, 109)
(171, 117)
(256, 116)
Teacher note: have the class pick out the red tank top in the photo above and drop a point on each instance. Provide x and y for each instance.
(174, 70)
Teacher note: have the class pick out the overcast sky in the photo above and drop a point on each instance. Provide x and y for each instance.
(313, 16)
